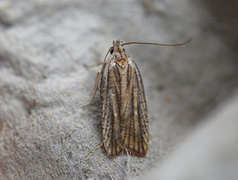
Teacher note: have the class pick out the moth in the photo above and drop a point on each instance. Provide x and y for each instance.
(124, 115)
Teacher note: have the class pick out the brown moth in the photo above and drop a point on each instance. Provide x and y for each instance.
(124, 114)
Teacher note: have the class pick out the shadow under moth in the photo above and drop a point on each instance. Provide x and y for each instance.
(124, 116)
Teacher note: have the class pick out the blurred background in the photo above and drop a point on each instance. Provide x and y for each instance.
(44, 46)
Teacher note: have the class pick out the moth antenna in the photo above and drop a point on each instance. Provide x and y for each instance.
(107, 54)
(97, 80)
(123, 44)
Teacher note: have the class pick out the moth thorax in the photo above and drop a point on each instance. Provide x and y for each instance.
(122, 62)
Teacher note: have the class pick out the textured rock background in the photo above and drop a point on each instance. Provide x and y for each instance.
(211, 153)
(43, 81)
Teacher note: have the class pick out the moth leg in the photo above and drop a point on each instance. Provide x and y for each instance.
(96, 64)
(92, 150)
(95, 89)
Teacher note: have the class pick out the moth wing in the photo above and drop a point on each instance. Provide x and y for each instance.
(110, 96)
(133, 113)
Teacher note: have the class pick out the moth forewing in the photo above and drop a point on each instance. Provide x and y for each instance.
(110, 94)
(123, 106)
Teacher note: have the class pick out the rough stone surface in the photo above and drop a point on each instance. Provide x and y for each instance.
(43, 81)
(211, 153)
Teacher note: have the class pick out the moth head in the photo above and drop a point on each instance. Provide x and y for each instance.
(117, 46)
(112, 50)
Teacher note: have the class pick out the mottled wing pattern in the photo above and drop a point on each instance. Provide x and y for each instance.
(110, 96)
(133, 113)
(123, 110)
